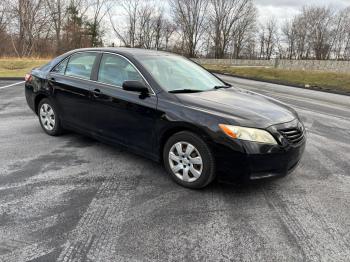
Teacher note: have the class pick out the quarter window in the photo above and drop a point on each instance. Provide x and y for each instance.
(115, 70)
(61, 67)
(80, 65)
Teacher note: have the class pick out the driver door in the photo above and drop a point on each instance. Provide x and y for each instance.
(122, 116)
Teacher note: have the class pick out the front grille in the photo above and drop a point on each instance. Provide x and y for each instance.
(294, 135)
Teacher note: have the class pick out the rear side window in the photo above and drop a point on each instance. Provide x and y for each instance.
(80, 65)
(115, 70)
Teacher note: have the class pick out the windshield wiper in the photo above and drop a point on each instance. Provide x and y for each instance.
(185, 91)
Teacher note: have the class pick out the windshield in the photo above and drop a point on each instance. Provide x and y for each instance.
(178, 73)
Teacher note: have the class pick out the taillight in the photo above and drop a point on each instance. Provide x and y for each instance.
(28, 77)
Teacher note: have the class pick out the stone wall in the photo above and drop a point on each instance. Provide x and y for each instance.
(236, 62)
(319, 65)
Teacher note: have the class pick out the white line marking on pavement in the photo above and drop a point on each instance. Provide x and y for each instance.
(2, 87)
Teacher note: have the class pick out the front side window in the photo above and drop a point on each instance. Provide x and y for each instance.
(114, 70)
(176, 73)
(80, 65)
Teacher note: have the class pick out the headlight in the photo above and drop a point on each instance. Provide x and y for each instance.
(249, 134)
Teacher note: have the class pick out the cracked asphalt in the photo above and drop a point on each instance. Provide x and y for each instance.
(71, 198)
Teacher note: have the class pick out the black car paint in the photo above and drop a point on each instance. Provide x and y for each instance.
(143, 123)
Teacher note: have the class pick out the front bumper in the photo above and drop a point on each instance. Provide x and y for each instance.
(258, 161)
(275, 164)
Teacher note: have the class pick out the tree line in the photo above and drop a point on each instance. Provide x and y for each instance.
(195, 28)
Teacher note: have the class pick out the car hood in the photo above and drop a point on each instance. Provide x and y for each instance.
(240, 106)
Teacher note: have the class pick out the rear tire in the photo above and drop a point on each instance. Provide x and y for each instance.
(189, 160)
(49, 117)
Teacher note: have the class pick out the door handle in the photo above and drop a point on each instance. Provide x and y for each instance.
(96, 92)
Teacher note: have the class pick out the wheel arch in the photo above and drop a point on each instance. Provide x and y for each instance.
(166, 134)
(37, 100)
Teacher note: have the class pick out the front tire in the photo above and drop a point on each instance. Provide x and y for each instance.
(189, 160)
(49, 118)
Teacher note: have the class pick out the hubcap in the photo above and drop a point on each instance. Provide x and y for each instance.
(185, 161)
(47, 117)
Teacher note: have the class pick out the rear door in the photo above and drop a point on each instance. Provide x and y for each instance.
(123, 116)
(71, 82)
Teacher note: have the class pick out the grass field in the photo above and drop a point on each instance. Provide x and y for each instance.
(315, 79)
(18, 67)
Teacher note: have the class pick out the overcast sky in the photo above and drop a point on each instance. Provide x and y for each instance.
(284, 9)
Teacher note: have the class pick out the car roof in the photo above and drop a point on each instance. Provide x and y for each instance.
(135, 52)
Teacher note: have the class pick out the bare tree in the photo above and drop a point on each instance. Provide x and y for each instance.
(3, 17)
(311, 34)
(158, 24)
(243, 29)
(3, 27)
(57, 11)
(168, 30)
(189, 15)
(29, 23)
(131, 9)
(341, 35)
(217, 28)
(226, 13)
(144, 27)
(319, 21)
(303, 46)
(268, 38)
(289, 30)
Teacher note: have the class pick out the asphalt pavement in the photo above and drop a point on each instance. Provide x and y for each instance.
(71, 198)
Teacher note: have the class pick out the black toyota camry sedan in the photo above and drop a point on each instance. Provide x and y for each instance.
(169, 109)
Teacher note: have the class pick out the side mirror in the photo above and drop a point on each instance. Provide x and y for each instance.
(135, 86)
